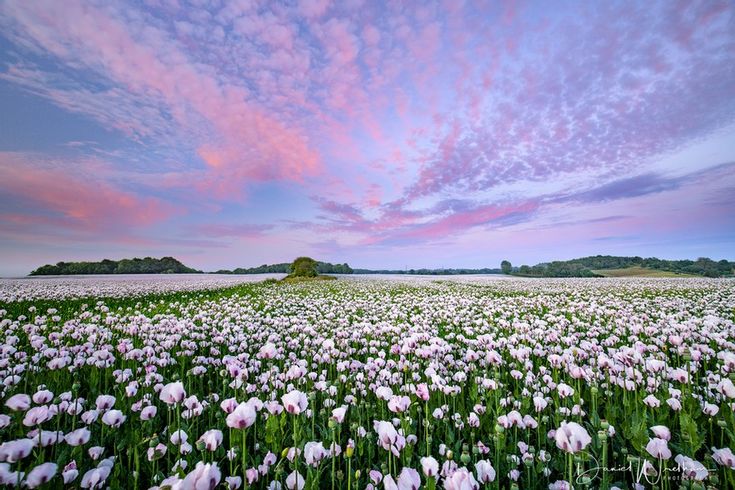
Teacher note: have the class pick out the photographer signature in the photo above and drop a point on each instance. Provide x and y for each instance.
(640, 470)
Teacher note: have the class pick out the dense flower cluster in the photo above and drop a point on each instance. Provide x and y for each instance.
(372, 384)
(111, 286)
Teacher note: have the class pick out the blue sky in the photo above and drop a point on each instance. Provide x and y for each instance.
(381, 134)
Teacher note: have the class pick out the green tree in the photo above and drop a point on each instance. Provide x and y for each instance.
(304, 267)
(506, 267)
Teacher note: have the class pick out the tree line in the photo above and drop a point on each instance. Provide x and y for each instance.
(286, 268)
(428, 272)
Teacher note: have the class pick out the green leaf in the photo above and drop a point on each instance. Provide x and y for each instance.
(690, 432)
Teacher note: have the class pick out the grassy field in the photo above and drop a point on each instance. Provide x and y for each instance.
(638, 272)
(326, 384)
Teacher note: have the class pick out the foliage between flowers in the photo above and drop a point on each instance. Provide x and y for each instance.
(364, 383)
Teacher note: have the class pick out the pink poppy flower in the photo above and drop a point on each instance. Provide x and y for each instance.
(485, 471)
(70, 472)
(113, 418)
(461, 479)
(148, 412)
(41, 474)
(338, 414)
(724, 457)
(78, 437)
(294, 402)
(429, 466)
(14, 451)
(571, 437)
(42, 397)
(242, 417)
(295, 481)
(658, 448)
(662, 432)
(203, 477)
(36, 416)
(173, 393)
(211, 439)
(18, 403)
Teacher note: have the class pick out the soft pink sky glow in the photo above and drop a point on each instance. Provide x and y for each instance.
(384, 134)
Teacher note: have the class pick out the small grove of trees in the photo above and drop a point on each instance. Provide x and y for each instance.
(506, 267)
(304, 267)
(147, 265)
(327, 268)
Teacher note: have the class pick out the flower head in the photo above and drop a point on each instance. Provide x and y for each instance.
(571, 437)
(294, 402)
(173, 393)
(242, 417)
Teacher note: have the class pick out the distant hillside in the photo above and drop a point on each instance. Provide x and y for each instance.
(636, 271)
(147, 265)
(596, 266)
(285, 268)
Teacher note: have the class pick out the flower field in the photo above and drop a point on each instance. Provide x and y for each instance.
(361, 383)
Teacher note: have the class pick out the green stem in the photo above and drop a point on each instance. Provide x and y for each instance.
(244, 455)
(334, 458)
(426, 427)
(296, 445)
(604, 465)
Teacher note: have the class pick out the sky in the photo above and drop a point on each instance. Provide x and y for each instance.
(391, 134)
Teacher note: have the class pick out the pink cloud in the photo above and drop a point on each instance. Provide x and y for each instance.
(313, 8)
(247, 143)
(458, 222)
(49, 196)
(232, 230)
